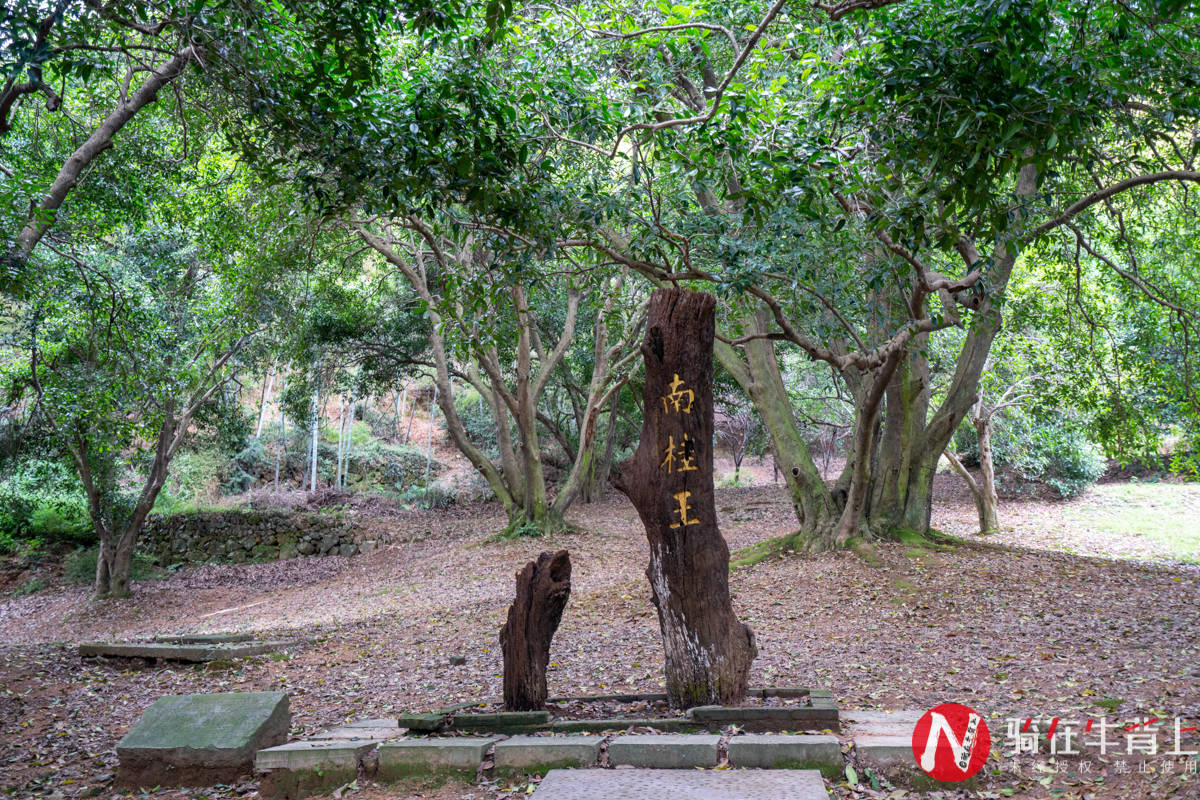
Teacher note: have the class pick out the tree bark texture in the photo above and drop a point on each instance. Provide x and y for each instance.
(543, 587)
(670, 482)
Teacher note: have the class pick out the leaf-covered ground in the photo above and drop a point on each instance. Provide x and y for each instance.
(1013, 626)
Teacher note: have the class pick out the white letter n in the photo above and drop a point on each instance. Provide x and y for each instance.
(962, 749)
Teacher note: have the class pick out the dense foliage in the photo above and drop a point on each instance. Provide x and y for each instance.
(237, 232)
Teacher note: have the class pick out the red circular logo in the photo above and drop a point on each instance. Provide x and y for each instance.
(951, 742)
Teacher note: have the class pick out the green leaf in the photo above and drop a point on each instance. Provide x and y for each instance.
(851, 775)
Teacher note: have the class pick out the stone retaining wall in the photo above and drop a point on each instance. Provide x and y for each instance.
(241, 536)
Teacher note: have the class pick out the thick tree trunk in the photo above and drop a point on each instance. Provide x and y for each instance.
(670, 482)
(816, 507)
(543, 587)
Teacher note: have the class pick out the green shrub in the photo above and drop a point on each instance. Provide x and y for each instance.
(29, 587)
(42, 503)
(61, 522)
(1072, 461)
(1055, 451)
(433, 496)
(195, 476)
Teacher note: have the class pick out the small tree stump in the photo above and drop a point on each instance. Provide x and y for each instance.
(669, 480)
(543, 587)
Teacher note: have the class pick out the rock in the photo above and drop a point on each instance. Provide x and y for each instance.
(306, 548)
(457, 661)
(346, 550)
(201, 739)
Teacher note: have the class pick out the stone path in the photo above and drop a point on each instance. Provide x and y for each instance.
(643, 766)
(663, 784)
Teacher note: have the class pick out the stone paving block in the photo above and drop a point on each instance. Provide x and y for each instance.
(424, 756)
(884, 752)
(371, 730)
(500, 720)
(768, 718)
(888, 723)
(422, 722)
(664, 751)
(654, 784)
(522, 752)
(204, 638)
(201, 739)
(883, 739)
(313, 754)
(779, 751)
(622, 723)
(179, 652)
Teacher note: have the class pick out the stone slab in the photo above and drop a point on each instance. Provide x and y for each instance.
(522, 752)
(768, 718)
(618, 724)
(779, 751)
(883, 739)
(312, 754)
(665, 751)
(653, 784)
(179, 652)
(884, 752)
(204, 638)
(423, 722)
(201, 739)
(499, 721)
(407, 757)
(892, 723)
(369, 730)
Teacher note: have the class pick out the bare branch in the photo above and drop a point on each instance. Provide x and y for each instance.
(1107, 192)
(719, 92)
(838, 10)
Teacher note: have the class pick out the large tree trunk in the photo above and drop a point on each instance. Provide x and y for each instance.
(543, 587)
(758, 373)
(670, 482)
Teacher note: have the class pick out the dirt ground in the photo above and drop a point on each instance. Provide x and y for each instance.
(1013, 626)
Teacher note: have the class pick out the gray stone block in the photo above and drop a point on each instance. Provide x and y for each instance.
(423, 722)
(373, 730)
(179, 652)
(768, 718)
(884, 752)
(881, 722)
(500, 721)
(424, 756)
(524, 752)
(310, 754)
(777, 751)
(653, 784)
(201, 739)
(665, 751)
(883, 739)
(204, 638)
